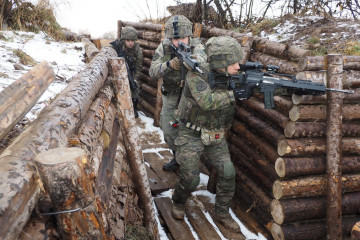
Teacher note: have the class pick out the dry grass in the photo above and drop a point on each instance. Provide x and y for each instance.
(24, 58)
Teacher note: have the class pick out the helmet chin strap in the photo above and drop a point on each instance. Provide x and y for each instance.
(226, 71)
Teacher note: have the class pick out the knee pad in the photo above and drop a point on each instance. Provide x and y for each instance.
(194, 183)
(229, 170)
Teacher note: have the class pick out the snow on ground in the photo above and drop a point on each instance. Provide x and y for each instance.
(66, 58)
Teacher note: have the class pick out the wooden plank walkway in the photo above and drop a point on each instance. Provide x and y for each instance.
(156, 154)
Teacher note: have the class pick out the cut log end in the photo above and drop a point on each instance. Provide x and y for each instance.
(294, 113)
(283, 147)
(289, 129)
(59, 155)
(277, 211)
(277, 232)
(280, 167)
(296, 99)
(277, 190)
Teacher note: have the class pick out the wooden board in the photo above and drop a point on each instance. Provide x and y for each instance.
(160, 180)
(178, 228)
(210, 207)
(199, 222)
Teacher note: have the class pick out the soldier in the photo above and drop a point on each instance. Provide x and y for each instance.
(129, 49)
(167, 66)
(204, 114)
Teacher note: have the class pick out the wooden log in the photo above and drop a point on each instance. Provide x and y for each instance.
(318, 63)
(93, 122)
(259, 144)
(19, 97)
(280, 50)
(312, 186)
(119, 28)
(284, 66)
(314, 146)
(144, 25)
(351, 77)
(147, 61)
(355, 231)
(262, 163)
(65, 174)
(286, 211)
(147, 44)
(303, 166)
(244, 40)
(241, 160)
(318, 112)
(148, 53)
(147, 106)
(311, 230)
(106, 168)
(90, 49)
(148, 35)
(132, 142)
(263, 129)
(271, 115)
(148, 80)
(248, 187)
(334, 147)
(21, 191)
(147, 88)
(158, 104)
(150, 99)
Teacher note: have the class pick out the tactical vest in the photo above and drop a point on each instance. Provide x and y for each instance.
(190, 111)
(172, 79)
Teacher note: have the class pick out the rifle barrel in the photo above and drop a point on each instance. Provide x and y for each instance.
(339, 90)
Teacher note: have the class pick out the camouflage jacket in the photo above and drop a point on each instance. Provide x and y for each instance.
(159, 69)
(135, 55)
(205, 107)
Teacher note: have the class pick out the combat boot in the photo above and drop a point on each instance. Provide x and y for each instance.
(172, 165)
(227, 221)
(178, 211)
(135, 103)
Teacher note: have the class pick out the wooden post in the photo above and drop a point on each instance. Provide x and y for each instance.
(119, 28)
(197, 30)
(66, 174)
(158, 104)
(132, 141)
(334, 147)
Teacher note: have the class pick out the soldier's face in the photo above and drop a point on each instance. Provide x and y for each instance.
(232, 69)
(175, 41)
(129, 43)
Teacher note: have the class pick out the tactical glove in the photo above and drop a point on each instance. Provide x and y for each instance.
(244, 92)
(175, 63)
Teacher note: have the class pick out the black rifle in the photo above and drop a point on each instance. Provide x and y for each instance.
(183, 53)
(130, 67)
(252, 77)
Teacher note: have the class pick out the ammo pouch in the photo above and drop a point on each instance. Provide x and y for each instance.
(210, 137)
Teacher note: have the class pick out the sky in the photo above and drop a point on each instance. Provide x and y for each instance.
(97, 18)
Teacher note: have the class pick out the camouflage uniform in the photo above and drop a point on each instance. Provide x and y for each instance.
(171, 78)
(204, 114)
(136, 56)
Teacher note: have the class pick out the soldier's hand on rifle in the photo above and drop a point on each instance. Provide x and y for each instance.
(175, 63)
(244, 92)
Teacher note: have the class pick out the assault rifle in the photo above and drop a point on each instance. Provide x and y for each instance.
(183, 53)
(130, 68)
(253, 77)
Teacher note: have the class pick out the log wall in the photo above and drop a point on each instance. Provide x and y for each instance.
(280, 153)
(82, 117)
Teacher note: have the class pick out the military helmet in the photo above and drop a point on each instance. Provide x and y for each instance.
(129, 33)
(178, 26)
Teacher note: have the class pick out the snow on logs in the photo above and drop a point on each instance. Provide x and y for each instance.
(55, 127)
(18, 98)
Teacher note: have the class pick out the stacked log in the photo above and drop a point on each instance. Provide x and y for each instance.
(149, 38)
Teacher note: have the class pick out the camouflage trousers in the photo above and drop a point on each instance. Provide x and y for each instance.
(166, 116)
(135, 93)
(189, 148)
